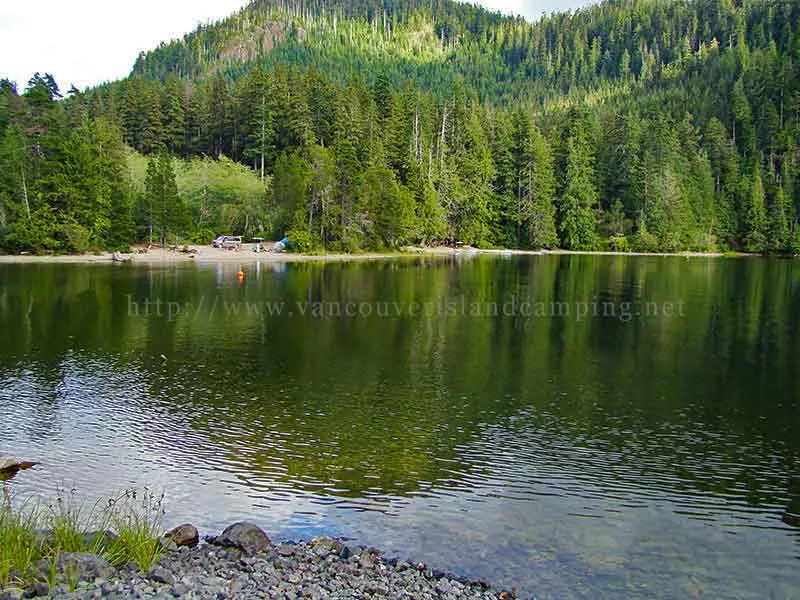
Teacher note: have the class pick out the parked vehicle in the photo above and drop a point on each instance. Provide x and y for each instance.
(232, 242)
(228, 242)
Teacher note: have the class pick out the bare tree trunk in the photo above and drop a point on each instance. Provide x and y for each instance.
(25, 193)
(441, 137)
(263, 133)
(311, 212)
(322, 209)
(416, 136)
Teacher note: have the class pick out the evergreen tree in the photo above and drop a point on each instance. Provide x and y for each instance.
(535, 186)
(152, 136)
(577, 203)
(755, 235)
(173, 117)
(778, 238)
(260, 135)
(320, 212)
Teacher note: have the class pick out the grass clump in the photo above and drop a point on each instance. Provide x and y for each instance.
(136, 519)
(18, 547)
(125, 529)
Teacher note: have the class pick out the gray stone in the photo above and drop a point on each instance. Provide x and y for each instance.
(443, 586)
(77, 566)
(310, 569)
(129, 567)
(11, 593)
(161, 575)
(107, 588)
(245, 536)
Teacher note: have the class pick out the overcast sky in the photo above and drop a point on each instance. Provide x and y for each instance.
(86, 42)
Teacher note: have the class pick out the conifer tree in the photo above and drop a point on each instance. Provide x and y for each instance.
(577, 203)
(755, 235)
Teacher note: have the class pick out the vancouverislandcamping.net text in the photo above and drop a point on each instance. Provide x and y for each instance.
(451, 307)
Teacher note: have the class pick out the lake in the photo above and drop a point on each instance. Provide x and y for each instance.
(575, 426)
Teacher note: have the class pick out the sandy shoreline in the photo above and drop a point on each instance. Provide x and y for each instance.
(206, 254)
(246, 255)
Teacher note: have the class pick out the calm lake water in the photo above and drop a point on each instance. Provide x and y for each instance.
(640, 440)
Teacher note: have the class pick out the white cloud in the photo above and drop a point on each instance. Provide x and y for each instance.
(86, 42)
(532, 9)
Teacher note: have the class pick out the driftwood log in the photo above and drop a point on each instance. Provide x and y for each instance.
(10, 467)
(8, 470)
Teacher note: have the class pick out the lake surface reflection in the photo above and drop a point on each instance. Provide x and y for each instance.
(577, 426)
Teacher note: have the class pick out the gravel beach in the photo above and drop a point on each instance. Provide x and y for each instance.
(243, 563)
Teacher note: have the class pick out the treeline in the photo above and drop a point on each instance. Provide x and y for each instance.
(69, 183)
(688, 143)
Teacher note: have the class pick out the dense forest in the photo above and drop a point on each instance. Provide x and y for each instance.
(354, 124)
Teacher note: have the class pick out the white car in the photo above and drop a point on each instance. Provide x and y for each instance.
(227, 241)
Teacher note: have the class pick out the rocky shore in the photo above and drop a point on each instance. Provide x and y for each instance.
(243, 563)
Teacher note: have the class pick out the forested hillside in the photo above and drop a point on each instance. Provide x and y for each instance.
(633, 124)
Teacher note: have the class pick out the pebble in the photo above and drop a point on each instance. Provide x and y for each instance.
(161, 575)
(320, 570)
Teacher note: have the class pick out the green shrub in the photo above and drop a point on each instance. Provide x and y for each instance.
(619, 243)
(38, 234)
(646, 242)
(300, 241)
(202, 237)
(76, 238)
(796, 242)
(135, 517)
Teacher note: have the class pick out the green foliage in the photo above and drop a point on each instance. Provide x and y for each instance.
(76, 238)
(386, 209)
(18, 547)
(223, 197)
(34, 531)
(755, 237)
(636, 119)
(137, 519)
(38, 233)
(301, 241)
(618, 243)
(578, 201)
